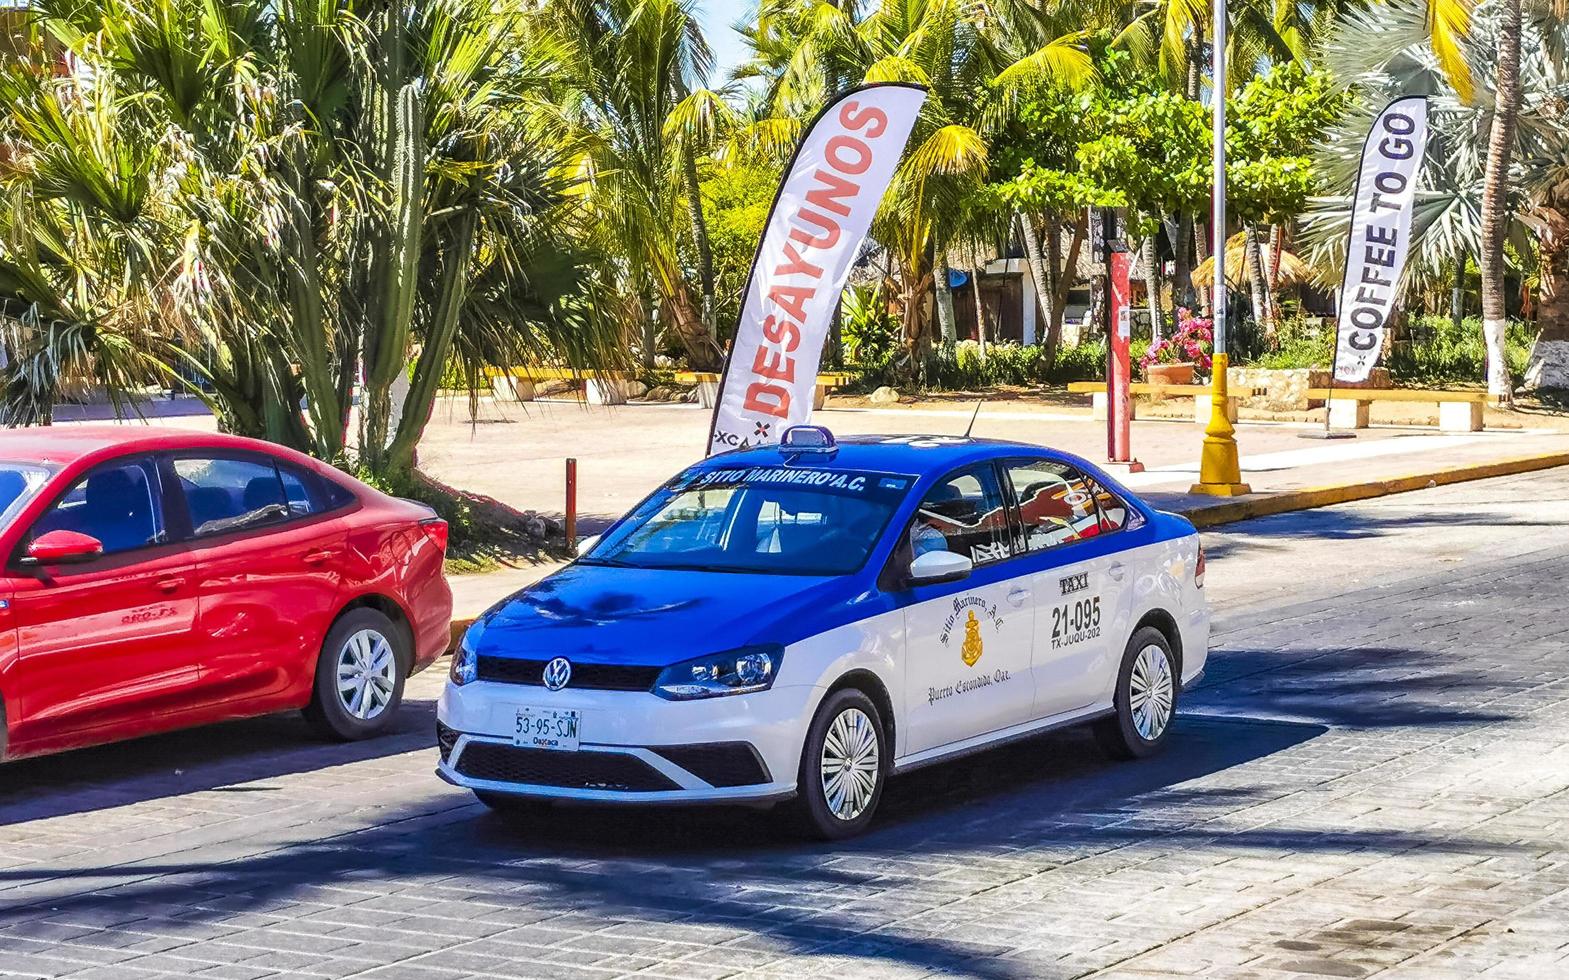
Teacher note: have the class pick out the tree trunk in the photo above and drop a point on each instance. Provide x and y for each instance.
(1255, 267)
(947, 328)
(917, 292)
(1034, 262)
(980, 310)
(1495, 200)
(1179, 228)
(1457, 293)
(705, 254)
(702, 352)
(1152, 286)
(1052, 266)
(1066, 277)
(1549, 367)
(1277, 247)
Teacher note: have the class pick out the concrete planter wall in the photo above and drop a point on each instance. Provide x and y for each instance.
(1169, 374)
(1287, 388)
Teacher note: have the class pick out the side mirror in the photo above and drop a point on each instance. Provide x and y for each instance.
(587, 544)
(62, 548)
(936, 567)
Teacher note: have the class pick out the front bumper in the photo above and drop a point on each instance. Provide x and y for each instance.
(635, 746)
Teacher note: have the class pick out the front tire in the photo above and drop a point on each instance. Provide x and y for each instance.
(359, 677)
(1145, 700)
(844, 765)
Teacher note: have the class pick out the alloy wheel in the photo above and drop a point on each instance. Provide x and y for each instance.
(851, 764)
(1151, 692)
(367, 674)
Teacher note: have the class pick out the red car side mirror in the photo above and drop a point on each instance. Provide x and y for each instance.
(62, 548)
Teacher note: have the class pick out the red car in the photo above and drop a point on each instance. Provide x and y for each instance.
(157, 578)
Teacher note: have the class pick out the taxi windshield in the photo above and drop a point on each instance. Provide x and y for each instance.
(773, 519)
(18, 483)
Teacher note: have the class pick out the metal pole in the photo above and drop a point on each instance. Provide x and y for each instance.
(1218, 168)
(1220, 469)
(571, 516)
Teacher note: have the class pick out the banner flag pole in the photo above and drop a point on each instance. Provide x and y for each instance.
(1378, 243)
(831, 190)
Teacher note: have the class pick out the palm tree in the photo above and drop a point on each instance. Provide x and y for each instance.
(973, 57)
(1495, 192)
(630, 104)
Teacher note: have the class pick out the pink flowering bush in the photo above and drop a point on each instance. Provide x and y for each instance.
(1191, 344)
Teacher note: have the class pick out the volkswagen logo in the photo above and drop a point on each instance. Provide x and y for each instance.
(557, 673)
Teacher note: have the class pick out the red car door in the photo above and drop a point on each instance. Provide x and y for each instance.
(268, 562)
(106, 646)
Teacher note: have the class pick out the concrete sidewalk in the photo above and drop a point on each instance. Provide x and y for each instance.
(516, 454)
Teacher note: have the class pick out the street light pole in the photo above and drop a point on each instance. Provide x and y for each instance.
(1220, 470)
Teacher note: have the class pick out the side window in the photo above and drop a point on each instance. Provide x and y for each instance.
(225, 495)
(296, 493)
(964, 514)
(1056, 504)
(336, 495)
(1115, 514)
(114, 504)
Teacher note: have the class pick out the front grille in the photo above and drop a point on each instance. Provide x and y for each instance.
(586, 677)
(446, 738)
(568, 770)
(719, 763)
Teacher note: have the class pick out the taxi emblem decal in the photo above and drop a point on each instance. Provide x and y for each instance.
(558, 673)
(972, 649)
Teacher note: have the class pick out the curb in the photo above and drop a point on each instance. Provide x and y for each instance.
(1230, 511)
(1207, 515)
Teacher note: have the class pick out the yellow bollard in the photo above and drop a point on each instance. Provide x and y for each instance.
(1220, 469)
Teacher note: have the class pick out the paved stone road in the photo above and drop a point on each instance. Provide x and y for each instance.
(1374, 778)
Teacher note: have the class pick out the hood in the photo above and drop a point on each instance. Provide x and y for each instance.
(653, 617)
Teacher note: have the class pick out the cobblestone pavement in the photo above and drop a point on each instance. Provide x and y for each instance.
(1373, 780)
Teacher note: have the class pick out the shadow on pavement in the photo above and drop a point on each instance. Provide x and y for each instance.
(1359, 687)
(192, 760)
(736, 869)
(1339, 524)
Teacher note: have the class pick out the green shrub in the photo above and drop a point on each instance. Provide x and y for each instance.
(965, 368)
(1431, 352)
(869, 331)
(1437, 352)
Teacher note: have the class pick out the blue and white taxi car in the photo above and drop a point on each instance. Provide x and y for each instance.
(801, 622)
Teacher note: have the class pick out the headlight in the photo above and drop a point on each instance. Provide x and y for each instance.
(736, 672)
(465, 665)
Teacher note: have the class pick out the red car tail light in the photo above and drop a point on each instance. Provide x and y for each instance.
(436, 530)
(1198, 569)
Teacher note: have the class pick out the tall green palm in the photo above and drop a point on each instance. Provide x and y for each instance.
(627, 74)
(972, 56)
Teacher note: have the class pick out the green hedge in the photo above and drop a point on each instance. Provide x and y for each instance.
(1433, 351)
(965, 368)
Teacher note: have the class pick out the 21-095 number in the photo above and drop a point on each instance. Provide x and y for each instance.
(1075, 617)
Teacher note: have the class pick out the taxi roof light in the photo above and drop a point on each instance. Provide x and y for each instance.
(807, 439)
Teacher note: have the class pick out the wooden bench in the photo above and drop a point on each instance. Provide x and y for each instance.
(1199, 393)
(708, 385)
(1351, 408)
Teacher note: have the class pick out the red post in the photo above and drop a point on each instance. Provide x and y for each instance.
(1119, 369)
(571, 521)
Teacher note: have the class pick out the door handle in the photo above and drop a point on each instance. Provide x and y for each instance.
(170, 584)
(1117, 571)
(1018, 596)
(317, 557)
